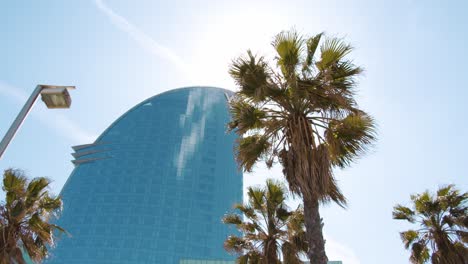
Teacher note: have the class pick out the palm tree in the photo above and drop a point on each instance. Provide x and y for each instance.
(270, 229)
(443, 226)
(301, 112)
(24, 226)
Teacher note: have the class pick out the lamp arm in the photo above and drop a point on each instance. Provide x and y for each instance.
(19, 119)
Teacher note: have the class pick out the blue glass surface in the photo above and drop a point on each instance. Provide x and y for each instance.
(154, 186)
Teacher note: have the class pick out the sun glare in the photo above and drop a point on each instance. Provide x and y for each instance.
(237, 31)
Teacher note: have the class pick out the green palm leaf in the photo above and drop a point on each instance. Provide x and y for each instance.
(24, 218)
(289, 46)
(250, 149)
(332, 51)
(253, 75)
(312, 44)
(440, 230)
(349, 138)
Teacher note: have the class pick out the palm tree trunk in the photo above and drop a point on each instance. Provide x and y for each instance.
(271, 252)
(314, 236)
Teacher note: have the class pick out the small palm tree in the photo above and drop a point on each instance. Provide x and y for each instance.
(443, 226)
(302, 113)
(270, 231)
(24, 216)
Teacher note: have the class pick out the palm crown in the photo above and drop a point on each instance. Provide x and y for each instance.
(269, 226)
(301, 112)
(24, 218)
(443, 226)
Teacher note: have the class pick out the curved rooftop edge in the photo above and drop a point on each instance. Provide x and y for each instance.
(158, 95)
(83, 150)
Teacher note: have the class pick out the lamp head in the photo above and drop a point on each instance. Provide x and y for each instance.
(56, 96)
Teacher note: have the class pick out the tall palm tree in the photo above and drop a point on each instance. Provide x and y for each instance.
(302, 113)
(442, 220)
(24, 216)
(270, 229)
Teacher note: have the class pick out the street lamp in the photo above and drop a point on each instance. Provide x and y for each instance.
(53, 96)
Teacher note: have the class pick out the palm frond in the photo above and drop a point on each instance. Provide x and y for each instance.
(13, 184)
(423, 203)
(333, 100)
(401, 212)
(419, 252)
(276, 192)
(290, 254)
(257, 197)
(312, 44)
(349, 138)
(250, 149)
(332, 51)
(236, 244)
(232, 219)
(252, 74)
(409, 237)
(289, 46)
(245, 117)
(247, 210)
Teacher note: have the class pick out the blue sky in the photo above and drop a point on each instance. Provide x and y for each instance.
(118, 53)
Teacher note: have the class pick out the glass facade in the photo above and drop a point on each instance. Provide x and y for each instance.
(197, 261)
(200, 261)
(154, 186)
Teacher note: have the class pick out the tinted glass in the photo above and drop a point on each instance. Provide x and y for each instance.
(154, 186)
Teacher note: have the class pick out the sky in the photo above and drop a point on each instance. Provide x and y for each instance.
(118, 53)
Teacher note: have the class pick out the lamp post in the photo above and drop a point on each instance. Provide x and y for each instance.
(52, 95)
